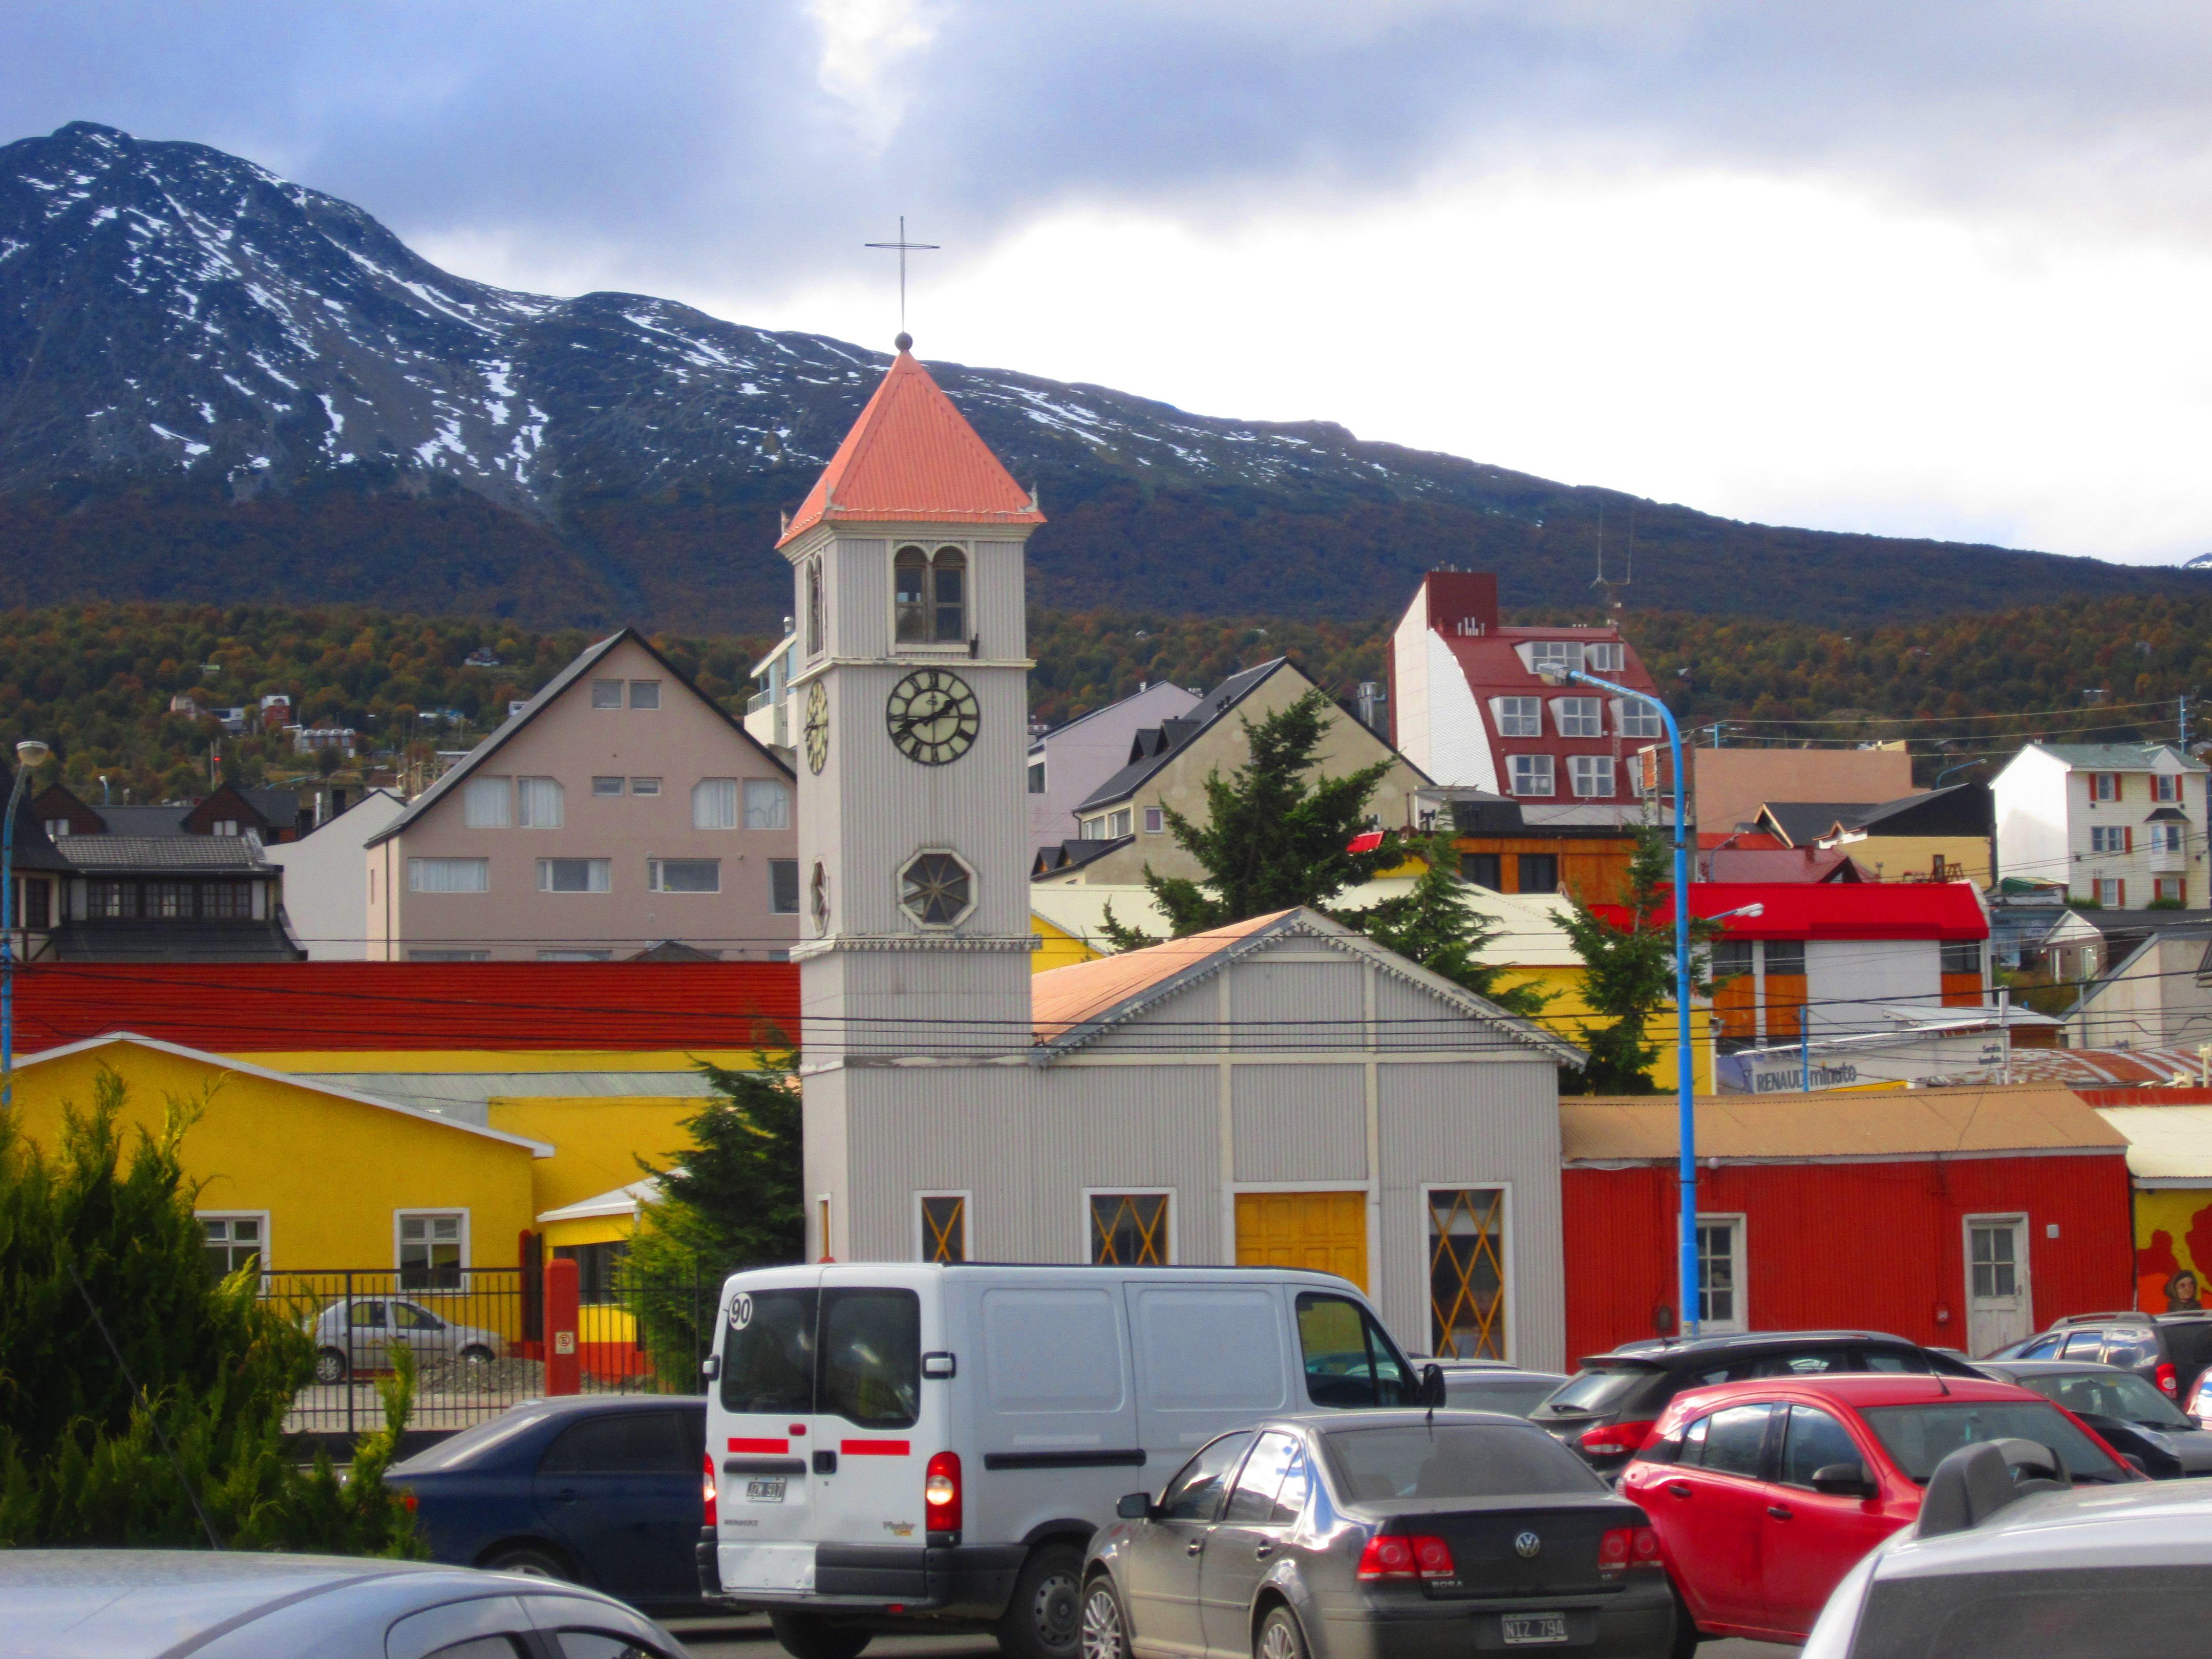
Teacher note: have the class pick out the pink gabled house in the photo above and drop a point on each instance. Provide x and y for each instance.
(618, 811)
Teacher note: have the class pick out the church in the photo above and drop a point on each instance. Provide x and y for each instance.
(1282, 1091)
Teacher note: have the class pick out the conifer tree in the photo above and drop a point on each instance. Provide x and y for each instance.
(1628, 973)
(1438, 926)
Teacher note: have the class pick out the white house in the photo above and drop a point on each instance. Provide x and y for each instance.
(2121, 823)
(326, 879)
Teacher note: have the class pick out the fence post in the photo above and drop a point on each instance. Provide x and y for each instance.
(563, 1363)
(352, 1358)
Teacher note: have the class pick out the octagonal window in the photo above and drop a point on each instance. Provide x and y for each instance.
(937, 889)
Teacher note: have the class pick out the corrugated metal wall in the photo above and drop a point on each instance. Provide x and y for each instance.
(1305, 1123)
(1875, 1245)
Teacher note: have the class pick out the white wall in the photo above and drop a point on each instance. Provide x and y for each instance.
(2029, 797)
(326, 879)
(1842, 975)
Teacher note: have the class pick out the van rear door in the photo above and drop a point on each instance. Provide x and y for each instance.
(761, 1434)
(872, 1437)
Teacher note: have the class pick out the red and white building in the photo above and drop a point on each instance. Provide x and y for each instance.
(1469, 707)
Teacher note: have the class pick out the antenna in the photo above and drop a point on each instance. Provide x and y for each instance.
(904, 248)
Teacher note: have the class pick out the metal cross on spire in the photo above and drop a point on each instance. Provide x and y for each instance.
(905, 340)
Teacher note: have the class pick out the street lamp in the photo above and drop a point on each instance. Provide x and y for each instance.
(29, 755)
(1687, 1319)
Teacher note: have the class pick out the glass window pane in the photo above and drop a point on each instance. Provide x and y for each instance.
(1813, 1442)
(486, 804)
(538, 802)
(1467, 1272)
(1736, 1442)
(1253, 1502)
(714, 804)
(687, 875)
(1461, 1460)
(621, 1442)
(944, 1228)
(1196, 1492)
(645, 694)
(1129, 1230)
(783, 886)
(767, 804)
(871, 1356)
(645, 785)
(606, 785)
(949, 582)
(606, 694)
(767, 1352)
(910, 605)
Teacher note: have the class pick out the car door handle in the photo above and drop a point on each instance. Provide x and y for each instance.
(1782, 1512)
(1678, 1489)
(1263, 1552)
(1194, 1547)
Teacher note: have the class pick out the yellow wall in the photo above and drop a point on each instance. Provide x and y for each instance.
(329, 1172)
(364, 1060)
(597, 1140)
(1061, 948)
(2173, 1231)
(1900, 858)
(1563, 1014)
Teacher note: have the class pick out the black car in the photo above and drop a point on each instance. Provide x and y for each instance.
(2125, 1408)
(603, 1490)
(1397, 1534)
(2170, 1351)
(1606, 1410)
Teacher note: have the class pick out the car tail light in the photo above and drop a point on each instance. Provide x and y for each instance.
(940, 1488)
(2169, 1380)
(1432, 1558)
(713, 1498)
(1628, 1547)
(1387, 1557)
(1615, 1439)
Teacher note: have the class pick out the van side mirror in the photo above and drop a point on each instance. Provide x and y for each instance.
(711, 1366)
(1432, 1392)
(1845, 1481)
(1134, 1506)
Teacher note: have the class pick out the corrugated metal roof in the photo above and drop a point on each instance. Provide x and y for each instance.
(1876, 1123)
(2164, 1143)
(1062, 999)
(242, 1008)
(121, 853)
(2104, 1068)
(913, 458)
(2116, 757)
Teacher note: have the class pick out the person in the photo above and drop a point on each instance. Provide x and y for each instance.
(2181, 1293)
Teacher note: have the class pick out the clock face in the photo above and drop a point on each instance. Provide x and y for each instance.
(933, 715)
(818, 726)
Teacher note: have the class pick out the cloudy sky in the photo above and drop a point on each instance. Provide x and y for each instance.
(1884, 266)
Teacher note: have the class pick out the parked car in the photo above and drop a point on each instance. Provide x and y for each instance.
(1765, 1494)
(2004, 1562)
(597, 1489)
(2128, 1414)
(138, 1604)
(1373, 1535)
(1606, 1409)
(2171, 1350)
(1491, 1385)
(356, 1333)
(918, 1444)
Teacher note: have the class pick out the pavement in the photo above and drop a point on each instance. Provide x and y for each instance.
(748, 1639)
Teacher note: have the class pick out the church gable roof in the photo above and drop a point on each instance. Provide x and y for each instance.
(912, 457)
(1074, 1007)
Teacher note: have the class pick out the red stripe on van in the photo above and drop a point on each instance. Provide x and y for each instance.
(738, 1444)
(876, 1448)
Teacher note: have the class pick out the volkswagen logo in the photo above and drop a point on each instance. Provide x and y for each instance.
(741, 1311)
(1527, 1546)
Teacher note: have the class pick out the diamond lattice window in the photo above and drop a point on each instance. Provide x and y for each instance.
(1467, 1272)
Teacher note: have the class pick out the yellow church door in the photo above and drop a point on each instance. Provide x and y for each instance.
(1327, 1231)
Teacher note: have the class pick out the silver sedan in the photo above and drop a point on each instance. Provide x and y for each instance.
(359, 1333)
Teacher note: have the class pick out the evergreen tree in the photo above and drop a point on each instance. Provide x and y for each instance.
(731, 1199)
(1438, 926)
(1272, 839)
(1628, 972)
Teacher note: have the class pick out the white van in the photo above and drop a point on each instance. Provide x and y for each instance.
(893, 1442)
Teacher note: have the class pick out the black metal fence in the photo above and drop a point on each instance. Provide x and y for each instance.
(478, 1340)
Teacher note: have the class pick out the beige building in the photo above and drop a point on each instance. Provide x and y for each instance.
(1728, 786)
(617, 810)
(1169, 765)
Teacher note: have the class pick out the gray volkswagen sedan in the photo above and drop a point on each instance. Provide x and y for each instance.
(1378, 1534)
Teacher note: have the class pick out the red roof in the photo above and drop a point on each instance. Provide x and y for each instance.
(913, 457)
(244, 1008)
(1808, 910)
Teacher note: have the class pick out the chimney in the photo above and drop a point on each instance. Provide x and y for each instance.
(1463, 602)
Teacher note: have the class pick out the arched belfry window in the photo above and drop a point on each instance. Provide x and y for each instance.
(814, 607)
(930, 596)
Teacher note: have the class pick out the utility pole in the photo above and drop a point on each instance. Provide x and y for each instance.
(2182, 701)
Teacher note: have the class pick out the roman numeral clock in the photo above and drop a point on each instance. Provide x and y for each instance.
(933, 716)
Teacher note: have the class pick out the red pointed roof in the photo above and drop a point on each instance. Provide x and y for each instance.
(912, 457)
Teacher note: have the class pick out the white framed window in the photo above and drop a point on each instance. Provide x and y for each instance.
(1591, 777)
(2103, 786)
(1579, 717)
(1608, 658)
(488, 803)
(606, 785)
(538, 802)
(2170, 887)
(767, 804)
(1093, 830)
(1518, 717)
(606, 694)
(1637, 719)
(431, 1248)
(449, 875)
(576, 956)
(941, 1224)
(1720, 1282)
(2112, 893)
(814, 607)
(645, 785)
(224, 827)
(1467, 1241)
(929, 596)
(2165, 837)
(1156, 820)
(645, 694)
(1117, 823)
(1129, 1226)
(685, 875)
(1036, 777)
(1533, 774)
(1561, 654)
(2164, 786)
(575, 875)
(783, 886)
(57, 828)
(714, 804)
(2108, 837)
(235, 1239)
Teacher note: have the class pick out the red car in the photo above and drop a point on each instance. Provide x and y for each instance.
(1765, 1494)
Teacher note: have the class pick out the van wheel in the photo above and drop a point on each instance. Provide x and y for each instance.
(1105, 1627)
(1044, 1620)
(1279, 1637)
(809, 1636)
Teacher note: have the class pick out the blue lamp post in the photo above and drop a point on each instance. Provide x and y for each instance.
(1685, 1058)
(29, 755)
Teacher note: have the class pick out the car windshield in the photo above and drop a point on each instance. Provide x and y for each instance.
(1600, 1390)
(473, 1444)
(2109, 1393)
(1921, 1435)
(1453, 1460)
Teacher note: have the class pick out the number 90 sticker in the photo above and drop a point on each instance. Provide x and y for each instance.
(741, 1311)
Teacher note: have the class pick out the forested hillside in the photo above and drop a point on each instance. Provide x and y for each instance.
(98, 681)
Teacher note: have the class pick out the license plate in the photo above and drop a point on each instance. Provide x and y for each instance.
(1534, 1629)
(771, 1492)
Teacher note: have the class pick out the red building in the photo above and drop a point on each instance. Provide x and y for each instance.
(1959, 1217)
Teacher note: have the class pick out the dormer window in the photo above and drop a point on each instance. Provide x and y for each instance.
(1543, 656)
(929, 596)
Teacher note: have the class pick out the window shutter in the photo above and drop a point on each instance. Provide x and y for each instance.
(2120, 887)
(2127, 838)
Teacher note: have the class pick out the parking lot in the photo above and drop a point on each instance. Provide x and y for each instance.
(748, 1639)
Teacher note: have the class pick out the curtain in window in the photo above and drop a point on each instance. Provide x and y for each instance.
(714, 804)
(767, 804)
(539, 800)
(448, 875)
(486, 804)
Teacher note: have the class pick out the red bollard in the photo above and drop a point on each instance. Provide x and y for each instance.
(563, 1368)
